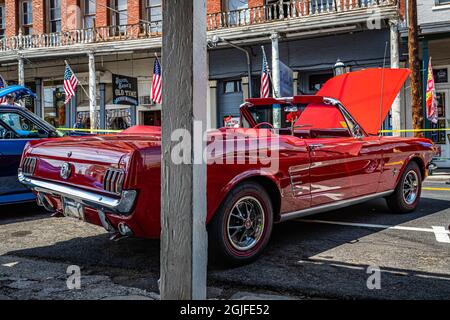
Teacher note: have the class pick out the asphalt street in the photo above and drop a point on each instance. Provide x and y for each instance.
(332, 255)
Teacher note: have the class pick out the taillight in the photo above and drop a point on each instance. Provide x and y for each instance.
(29, 165)
(113, 180)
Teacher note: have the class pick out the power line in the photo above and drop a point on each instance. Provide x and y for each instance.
(119, 12)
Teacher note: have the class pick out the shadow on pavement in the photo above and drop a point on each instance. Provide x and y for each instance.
(21, 212)
(296, 261)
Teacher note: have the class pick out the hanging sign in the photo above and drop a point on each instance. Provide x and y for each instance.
(125, 90)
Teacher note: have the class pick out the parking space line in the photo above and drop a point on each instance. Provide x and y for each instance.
(441, 234)
(435, 189)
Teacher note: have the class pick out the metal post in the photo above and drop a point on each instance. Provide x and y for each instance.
(276, 78)
(21, 71)
(38, 100)
(395, 63)
(249, 65)
(102, 106)
(183, 181)
(92, 91)
(425, 59)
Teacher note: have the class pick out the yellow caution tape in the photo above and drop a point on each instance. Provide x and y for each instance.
(416, 130)
(89, 130)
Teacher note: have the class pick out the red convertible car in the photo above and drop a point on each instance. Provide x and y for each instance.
(328, 155)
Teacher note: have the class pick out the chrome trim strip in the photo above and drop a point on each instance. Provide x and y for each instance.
(332, 206)
(122, 205)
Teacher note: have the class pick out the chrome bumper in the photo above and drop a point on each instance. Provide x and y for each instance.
(122, 205)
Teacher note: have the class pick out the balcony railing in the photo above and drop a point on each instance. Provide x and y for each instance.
(288, 10)
(264, 14)
(82, 36)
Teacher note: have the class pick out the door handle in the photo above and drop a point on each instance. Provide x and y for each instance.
(313, 147)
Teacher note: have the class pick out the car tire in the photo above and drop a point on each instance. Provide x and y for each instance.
(235, 238)
(402, 200)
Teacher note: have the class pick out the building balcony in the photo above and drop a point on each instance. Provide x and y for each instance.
(293, 18)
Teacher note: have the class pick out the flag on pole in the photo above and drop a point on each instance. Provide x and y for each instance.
(431, 102)
(265, 74)
(3, 84)
(70, 83)
(156, 82)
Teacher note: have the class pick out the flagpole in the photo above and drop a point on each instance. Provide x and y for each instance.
(270, 75)
(84, 90)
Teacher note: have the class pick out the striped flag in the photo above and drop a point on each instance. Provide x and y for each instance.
(3, 84)
(264, 91)
(431, 103)
(70, 83)
(156, 82)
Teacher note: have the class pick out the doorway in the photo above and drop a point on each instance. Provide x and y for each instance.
(151, 118)
(442, 138)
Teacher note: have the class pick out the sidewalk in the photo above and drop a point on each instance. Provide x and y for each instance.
(439, 175)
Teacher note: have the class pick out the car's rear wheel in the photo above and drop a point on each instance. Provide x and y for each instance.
(241, 227)
(407, 193)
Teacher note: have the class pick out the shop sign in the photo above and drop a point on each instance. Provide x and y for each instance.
(440, 75)
(125, 90)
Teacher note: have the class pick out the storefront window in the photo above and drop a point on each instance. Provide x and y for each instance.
(118, 119)
(54, 108)
(84, 121)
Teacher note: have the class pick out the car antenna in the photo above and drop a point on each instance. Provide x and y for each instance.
(382, 86)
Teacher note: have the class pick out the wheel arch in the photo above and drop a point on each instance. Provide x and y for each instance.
(268, 182)
(419, 161)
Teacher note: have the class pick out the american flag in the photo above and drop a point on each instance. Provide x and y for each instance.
(264, 92)
(70, 83)
(3, 85)
(156, 82)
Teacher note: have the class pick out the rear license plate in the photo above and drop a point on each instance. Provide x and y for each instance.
(73, 209)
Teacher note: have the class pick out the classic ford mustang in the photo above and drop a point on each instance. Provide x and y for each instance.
(327, 155)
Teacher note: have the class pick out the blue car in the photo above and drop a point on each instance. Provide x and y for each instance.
(18, 125)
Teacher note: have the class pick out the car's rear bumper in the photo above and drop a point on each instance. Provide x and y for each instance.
(122, 205)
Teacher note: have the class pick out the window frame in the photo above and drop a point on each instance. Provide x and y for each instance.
(237, 86)
(441, 2)
(27, 28)
(155, 25)
(49, 16)
(2, 20)
(87, 14)
(115, 16)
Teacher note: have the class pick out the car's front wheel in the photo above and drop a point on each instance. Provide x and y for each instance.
(241, 228)
(407, 193)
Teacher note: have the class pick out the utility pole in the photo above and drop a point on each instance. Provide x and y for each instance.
(414, 66)
(184, 239)
(276, 87)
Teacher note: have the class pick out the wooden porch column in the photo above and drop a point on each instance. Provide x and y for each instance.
(183, 186)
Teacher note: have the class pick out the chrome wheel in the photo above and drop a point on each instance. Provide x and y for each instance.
(245, 223)
(410, 187)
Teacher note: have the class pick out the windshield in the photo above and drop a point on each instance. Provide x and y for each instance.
(306, 116)
(25, 128)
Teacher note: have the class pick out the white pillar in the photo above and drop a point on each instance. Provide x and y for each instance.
(184, 239)
(21, 71)
(212, 104)
(92, 91)
(395, 62)
(244, 81)
(295, 82)
(276, 77)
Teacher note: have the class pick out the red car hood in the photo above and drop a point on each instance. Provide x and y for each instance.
(363, 93)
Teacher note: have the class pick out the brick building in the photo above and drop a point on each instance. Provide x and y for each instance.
(124, 35)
